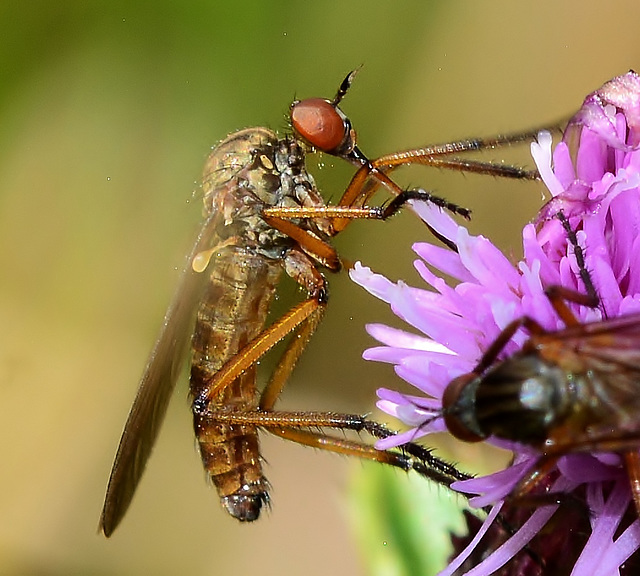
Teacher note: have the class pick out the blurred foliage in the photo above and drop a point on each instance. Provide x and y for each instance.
(396, 536)
(107, 112)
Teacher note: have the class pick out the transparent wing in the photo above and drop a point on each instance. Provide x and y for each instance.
(156, 386)
(613, 342)
(610, 352)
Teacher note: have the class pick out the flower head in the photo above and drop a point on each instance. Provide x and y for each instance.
(594, 179)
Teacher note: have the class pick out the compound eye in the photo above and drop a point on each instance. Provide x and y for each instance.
(457, 415)
(319, 123)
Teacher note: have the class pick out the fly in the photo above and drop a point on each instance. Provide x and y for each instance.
(566, 391)
(263, 216)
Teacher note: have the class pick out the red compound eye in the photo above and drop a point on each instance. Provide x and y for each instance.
(319, 123)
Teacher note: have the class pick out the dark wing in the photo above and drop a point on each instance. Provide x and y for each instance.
(156, 386)
(608, 355)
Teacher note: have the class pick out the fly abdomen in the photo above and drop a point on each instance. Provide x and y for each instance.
(231, 456)
(232, 312)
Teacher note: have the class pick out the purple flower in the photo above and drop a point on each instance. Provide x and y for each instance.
(594, 178)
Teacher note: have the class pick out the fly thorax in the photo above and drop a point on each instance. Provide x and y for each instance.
(297, 186)
(522, 398)
(296, 182)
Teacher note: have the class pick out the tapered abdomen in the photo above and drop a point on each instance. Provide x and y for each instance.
(232, 312)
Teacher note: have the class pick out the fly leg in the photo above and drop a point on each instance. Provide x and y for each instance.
(560, 295)
(294, 426)
(424, 463)
(254, 350)
(492, 353)
(274, 215)
(359, 190)
(291, 426)
(280, 218)
(625, 443)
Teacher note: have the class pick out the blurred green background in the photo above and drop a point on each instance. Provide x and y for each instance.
(107, 111)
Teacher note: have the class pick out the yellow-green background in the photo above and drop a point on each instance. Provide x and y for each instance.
(107, 111)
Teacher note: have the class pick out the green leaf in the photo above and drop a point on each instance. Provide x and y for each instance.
(403, 522)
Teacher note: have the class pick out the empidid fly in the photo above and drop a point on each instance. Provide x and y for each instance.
(263, 216)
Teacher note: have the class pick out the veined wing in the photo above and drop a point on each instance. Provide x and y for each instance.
(608, 353)
(156, 386)
(615, 341)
